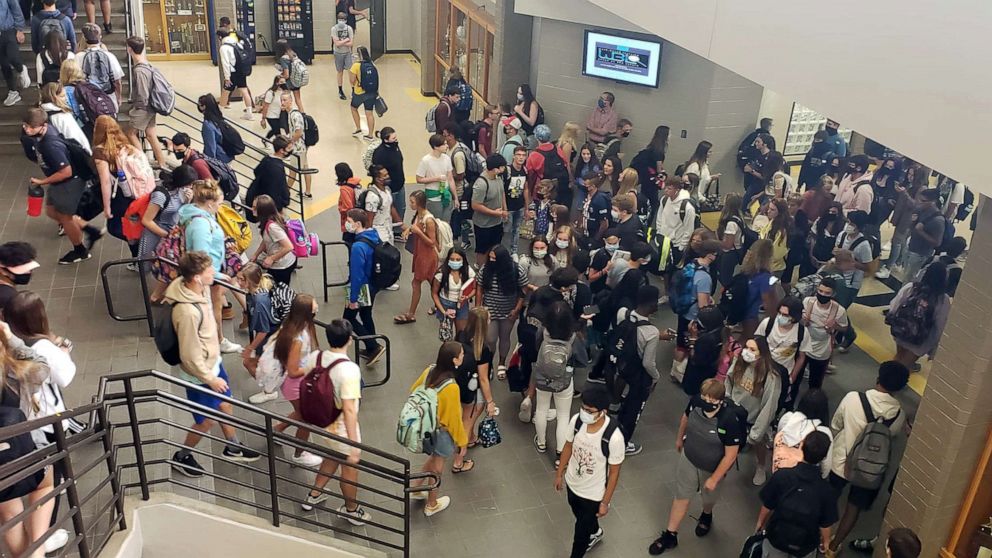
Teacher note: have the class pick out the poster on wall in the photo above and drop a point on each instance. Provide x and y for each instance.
(621, 59)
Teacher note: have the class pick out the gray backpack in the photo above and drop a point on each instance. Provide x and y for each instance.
(161, 95)
(551, 370)
(868, 460)
(50, 24)
(96, 68)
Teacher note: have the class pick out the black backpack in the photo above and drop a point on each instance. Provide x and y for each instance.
(166, 338)
(386, 265)
(51, 69)
(242, 58)
(311, 134)
(14, 449)
(621, 364)
(748, 235)
(81, 161)
(555, 168)
(369, 77)
(967, 206)
(794, 527)
(230, 140)
(224, 175)
(604, 445)
(697, 221)
(733, 302)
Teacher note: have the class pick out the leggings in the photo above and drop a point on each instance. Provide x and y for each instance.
(274, 125)
(501, 329)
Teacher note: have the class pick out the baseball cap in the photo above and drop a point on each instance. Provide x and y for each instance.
(18, 257)
(512, 122)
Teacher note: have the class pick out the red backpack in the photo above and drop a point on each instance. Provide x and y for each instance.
(317, 405)
(131, 222)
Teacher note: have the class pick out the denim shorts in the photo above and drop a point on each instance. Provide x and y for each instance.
(461, 311)
(440, 444)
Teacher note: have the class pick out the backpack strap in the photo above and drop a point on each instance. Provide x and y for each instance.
(768, 328)
(866, 407)
(682, 210)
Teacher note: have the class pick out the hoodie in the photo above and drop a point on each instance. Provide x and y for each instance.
(347, 196)
(203, 233)
(67, 29)
(849, 422)
(193, 318)
(361, 262)
(793, 428)
(760, 408)
(227, 57)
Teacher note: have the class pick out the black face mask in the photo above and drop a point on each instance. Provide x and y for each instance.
(387, 182)
(179, 154)
(624, 134)
(21, 278)
(283, 86)
(708, 407)
(393, 144)
(831, 131)
(823, 299)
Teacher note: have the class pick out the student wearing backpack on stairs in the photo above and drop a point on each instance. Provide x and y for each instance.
(101, 66)
(48, 63)
(275, 251)
(798, 506)
(361, 292)
(692, 289)
(182, 147)
(141, 114)
(210, 129)
(855, 461)
(234, 80)
(270, 175)
(55, 104)
(12, 27)
(753, 382)
(708, 441)
(364, 78)
(51, 19)
(918, 314)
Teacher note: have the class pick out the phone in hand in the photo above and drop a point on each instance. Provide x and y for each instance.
(590, 310)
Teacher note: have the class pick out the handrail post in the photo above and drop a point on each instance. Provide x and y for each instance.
(406, 510)
(323, 268)
(71, 493)
(139, 452)
(146, 299)
(270, 445)
(115, 481)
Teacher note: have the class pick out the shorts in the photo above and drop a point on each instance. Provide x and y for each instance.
(208, 399)
(461, 311)
(291, 387)
(689, 480)
(142, 119)
(304, 161)
(65, 196)
(338, 429)
(682, 333)
(367, 99)
(237, 81)
(440, 444)
(486, 238)
(343, 61)
(861, 498)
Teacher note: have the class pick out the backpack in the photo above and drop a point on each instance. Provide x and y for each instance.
(235, 227)
(224, 175)
(299, 74)
(317, 406)
(753, 546)
(368, 77)
(621, 362)
(80, 160)
(311, 134)
(601, 148)
(242, 58)
(138, 174)
(304, 244)
(555, 168)
(733, 301)
(161, 95)
(474, 165)
(748, 235)
(281, 298)
(608, 431)
(363, 198)
(166, 338)
(369, 153)
(230, 140)
(966, 207)
(15, 448)
(697, 221)
(386, 265)
(418, 417)
(683, 292)
(794, 527)
(551, 370)
(466, 100)
(429, 119)
(52, 23)
(269, 375)
(445, 237)
(96, 68)
(868, 460)
(51, 70)
(94, 101)
(131, 225)
(740, 415)
(913, 320)
(876, 250)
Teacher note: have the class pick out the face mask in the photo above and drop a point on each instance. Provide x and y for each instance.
(850, 229)
(831, 131)
(282, 86)
(179, 155)
(520, 97)
(392, 143)
(349, 226)
(21, 278)
(539, 254)
(708, 407)
(615, 214)
(455, 265)
(601, 104)
(387, 182)
(748, 355)
(611, 247)
(342, 21)
(624, 134)
(823, 299)
(586, 417)
(783, 320)
(562, 244)
(645, 261)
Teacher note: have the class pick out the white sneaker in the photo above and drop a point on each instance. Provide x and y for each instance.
(58, 539)
(263, 397)
(525, 410)
(357, 517)
(760, 476)
(883, 273)
(228, 347)
(442, 504)
(24, 78)
(663, 299)
(246, 116)
(13, 97)
(552, 415)
(307, 459)
(133, 267)
(393, 287)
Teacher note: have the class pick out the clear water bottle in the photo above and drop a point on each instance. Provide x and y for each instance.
(121, 179)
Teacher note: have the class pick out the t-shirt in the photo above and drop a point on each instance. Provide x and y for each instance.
(470, 369)
(933, 224)
(596, 210)
(272, 237)
(53, 154)
(499, 303)
(819, 337)
(356, 70)
(343, 6)
(862, 253)
(342, 31)
(261, 315)
(380, 204)
(731, 228)
(586, 472)
(274, 109)
(431, 166)
(757, 286)
(783, 344)
(514, 185)
(297, 124)
(458, 167)
(702, 282)
(784, 480)
(488, 192)
(629, 231)
(346, 376)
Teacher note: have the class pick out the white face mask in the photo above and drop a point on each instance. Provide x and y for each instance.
(783, 320)
(561, 244)
(586, 417)
(611, 247)
(850, 229)
(540, 253)
(749, 356)
(615, 214)
(349, 226)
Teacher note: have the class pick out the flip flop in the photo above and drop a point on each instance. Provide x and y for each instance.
(404, 319)
(473, 443)
(501, 373)
(467, 465)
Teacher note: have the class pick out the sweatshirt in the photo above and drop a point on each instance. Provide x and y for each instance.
(347, 197)
(193, 318)
(66, 125)
(360, 266)
(760, 408)
(203, 233)
(37, 41)
(449, 409)
(849, 421)
(227, 57)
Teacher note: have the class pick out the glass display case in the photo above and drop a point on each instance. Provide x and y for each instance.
(803, 123)
(177, 29)
(465, 38)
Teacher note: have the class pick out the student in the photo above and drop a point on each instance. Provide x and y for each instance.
(489, 208)
(361, 293)
(677, 217)
(514, 188)
(435, 173)
(142, 116)
(537, 263)
(461, 215)
(182, 147)
(48, 62)
(17, 262)
(270, 175)
(730, 231)
(453, 288)
(379, 204)
(444, 114)
(823, 317)
(596, 208)
(364, 91)
(590, 467)
(285, 55)
(540, 209)
(162, 214)
(603, 119)
(798, 506)
(926, 234)
(262, 324)
(275, 251)
(389, 155)
(902, 543)
(12, 26)
(706, 349)
(918, 314)
(563, 247)
(514, 138)
(625, 221)
(342, 37)
(474, 379)
(761, 284)
(700, 296)
(349, 187)
(485, 138)
(462, 109)
(50, 18)
(110, 149)
(234, 80)
(210, 129)
(501, 290)
(56, 105)
(271, 109)
(423, 230)
(552, 375)
(697, 166)
(754, 384)
(296, 130)
(708, 441)
(346, 378)
(848, 423)
(529, 111)
(642, 386)
(789, 343)
(812, 414)
(200, 363)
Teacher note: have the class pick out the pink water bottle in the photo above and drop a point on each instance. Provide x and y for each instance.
(36, 199)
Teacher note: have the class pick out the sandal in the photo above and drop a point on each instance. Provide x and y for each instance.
(404, 319)
(473, 443)
(501, 373)
(467, 465)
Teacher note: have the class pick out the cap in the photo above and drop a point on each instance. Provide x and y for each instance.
(512, 122)
(18, 257)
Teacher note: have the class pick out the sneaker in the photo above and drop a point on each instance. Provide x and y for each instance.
(243, 455)
(75, 255)
(307, 459)
(341, 95)
(187, 465)
(541, 448)
(662, 300)
(552, 415)
(633, 449)
(91, 235)
(666, 541)
(357, 517)
(376, 355)
(263, 397)
(368, 138)
(843, 350)
(108, 28)
(525, 410)
(592, 380)
(442, 504)
(58, 539)
(393, 287)
(883, 273)
(132, 267)
(13, 97)
(595, 539)
(576, 394)
(61, 231)
(831, 368)
(861, 545)
(314, 500)
(760, 477)
(704, 524)
(358, 132)
(228, 347)
(246, 115)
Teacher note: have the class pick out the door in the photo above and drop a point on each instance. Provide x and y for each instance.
(377, 28)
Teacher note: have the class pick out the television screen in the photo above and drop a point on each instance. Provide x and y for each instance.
(621, 59)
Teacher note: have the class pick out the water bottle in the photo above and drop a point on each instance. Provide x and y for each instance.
(36, 197)
(121, 178)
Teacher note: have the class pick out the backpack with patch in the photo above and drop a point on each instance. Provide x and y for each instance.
(95, 102)
(368, 77)
(235, 227)
(138, 173)
(794, 527)
(683, 292)
(166, 338)
(281, 298)
(170, 248)
(912, 320)
(733, 302)
(230, 140)
(608, 430)
(869, 458)
(369, 152)
(299, 74)
(304, 244)
(50, 24)
(551, 370)
(269, 374)
(224, 175)
(555, 167)
(418, 418)
(620, 362)
(429, 118)
(161, 95)
(386, 265)
(317, 406)
(96, 68)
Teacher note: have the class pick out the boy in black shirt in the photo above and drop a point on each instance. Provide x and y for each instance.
(627, 225)
(514, 183)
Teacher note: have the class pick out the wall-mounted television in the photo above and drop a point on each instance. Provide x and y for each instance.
(621, 58)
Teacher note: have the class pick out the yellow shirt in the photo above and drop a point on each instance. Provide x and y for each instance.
(780, 247)
(356, 70)
(449, 409)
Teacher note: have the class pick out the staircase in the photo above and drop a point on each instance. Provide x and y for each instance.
(11, 117)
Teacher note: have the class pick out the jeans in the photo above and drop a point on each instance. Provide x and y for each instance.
(897, 254)
(914, 263)
(442, 212)
(399, 202)
(363, 324)
(632, 406)
(511, 230)
(563, 406)
(586, 522)
(461, 225)
(10, 58)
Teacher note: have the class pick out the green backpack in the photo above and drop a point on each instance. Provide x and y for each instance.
(418, 418)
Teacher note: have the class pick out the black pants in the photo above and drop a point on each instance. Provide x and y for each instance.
(363, 324)
(274, 127)
(816, 370)
(282, 275)
(10, 58)
(632, 406)
(586, 522)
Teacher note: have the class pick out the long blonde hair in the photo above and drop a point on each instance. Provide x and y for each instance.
(758, 257)
(53, 93)
(70, 72)
(629, 181)
(569, 135)
(255, 279)
(478, 327)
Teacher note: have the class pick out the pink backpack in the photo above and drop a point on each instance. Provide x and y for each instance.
(304, 244)
(138, 172)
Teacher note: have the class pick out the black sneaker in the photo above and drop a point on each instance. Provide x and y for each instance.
(595, 539)
(75, 255)
(91, 235)
(187, 465)
(666, 541)
(341, 95)
(594, 380)
(108, 28)
(374, 356)
(244, 455)
(704, 524)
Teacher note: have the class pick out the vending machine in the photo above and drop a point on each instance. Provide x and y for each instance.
(293, 20)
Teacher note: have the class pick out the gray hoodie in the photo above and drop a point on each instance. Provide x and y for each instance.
(760, 408)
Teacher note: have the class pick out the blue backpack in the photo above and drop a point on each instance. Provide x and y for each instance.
(683, 291)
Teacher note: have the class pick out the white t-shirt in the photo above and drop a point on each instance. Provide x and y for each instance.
(816, 330)
(586, 470)
(431, 166)
(783, 343)
(275, 109)
(379, 204)
(734, 230)
(272, 237)
(703, 174)
(346, 376)
(957, 194)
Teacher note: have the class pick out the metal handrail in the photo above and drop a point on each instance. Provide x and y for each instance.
(324, 245)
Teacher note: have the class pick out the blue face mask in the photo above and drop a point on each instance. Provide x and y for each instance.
(601, 103)
(455, 265)
(611, 247)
